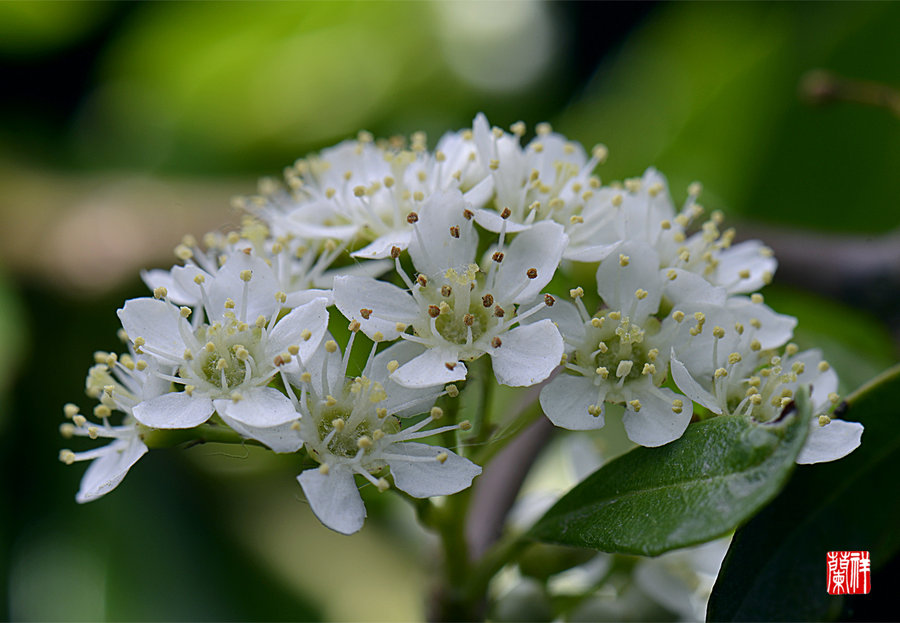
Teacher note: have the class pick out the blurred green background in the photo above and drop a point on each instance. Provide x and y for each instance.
(126, 125)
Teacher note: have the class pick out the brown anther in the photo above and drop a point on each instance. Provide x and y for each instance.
(468, 320)
(278, 361)
(496, 342)
(365, 313)
(532, 273)
(454, 231)
(498, 311)
(395, 253)
(434, 311)
(446, 290)
(450, 365)
(505, 214)
(423, 280)
(412, 217)
(487, 300)
(549, 300)
(468, 214)
(497, 256)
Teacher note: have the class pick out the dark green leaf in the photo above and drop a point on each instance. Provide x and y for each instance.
(775, 568)
(701, 486)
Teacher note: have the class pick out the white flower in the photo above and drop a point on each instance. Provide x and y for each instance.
(233, 355)
(120, 383)
(359, 189)
(352, 426)
(620, 356)
(458, 309)
(549, 179)
(735, 371)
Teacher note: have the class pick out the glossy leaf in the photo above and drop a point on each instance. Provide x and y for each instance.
(699, 487)
(775, 568)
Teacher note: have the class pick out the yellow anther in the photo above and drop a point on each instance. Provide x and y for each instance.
(70, 410)
(798, 367)
(442, 457)
(393, 365)
(602, 347)
(102, 411)
(465, 425)
(67, 456)
(791, 349)
(246, 275)
(436, 413)
(79, 420)
(377, 434)
(834, 398)
(654, 189)
(452, 390)
(600, 153)
(718, 332)
(576, 219)
(721, 373)
(734, 358)
(678, 316)
(602, 372)
(649, 369)
(641, 294)
(755, 323)
(305, 377)
(377, 336)
(755, 345)
(756, 298)
(824, 420)
(210, 347)
(823, 366)
(597, 322)
(576, 293)
(635, 404)
(221, 364)
(160, 292)
(624, 260)
(624, 368)
(744, 274)
(306, 334)
(382, 485)
(617, 200)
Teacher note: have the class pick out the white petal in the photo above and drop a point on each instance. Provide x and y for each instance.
(157, 322)
(306, 222)
(322, 361)
(174, 410)
(527, 354)
(480, 194)
(691, 388)
(423, 479)
(656, 424)
(107, 471)
(564, 314)
(833, 441)
(775, 329)
(432, 248)
(302, 297)
(492, 221)
(431, 368)
(748, 255)
(381, 246)
(372, 268)
(389, 305)
(541, 248)
(262, 407)
(261, 288)
(180, 291)
(402, 401)
(565, 401)
(334, 498)
(312, 316)
(690, 288)
(618, 284)
(281, 438)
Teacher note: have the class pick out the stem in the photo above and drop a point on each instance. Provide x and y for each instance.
(212, 433)
(885, 377)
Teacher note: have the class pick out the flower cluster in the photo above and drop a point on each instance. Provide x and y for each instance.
(436, 259)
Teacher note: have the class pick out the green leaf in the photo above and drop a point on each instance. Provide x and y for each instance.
(699, 487)
(775, 568)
